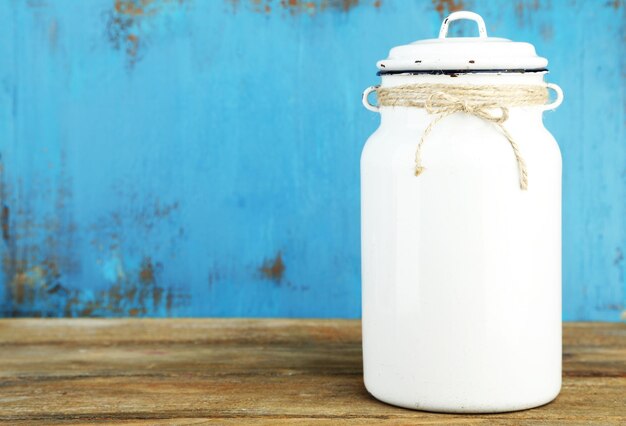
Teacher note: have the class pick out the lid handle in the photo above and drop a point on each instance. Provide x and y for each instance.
(463, 14)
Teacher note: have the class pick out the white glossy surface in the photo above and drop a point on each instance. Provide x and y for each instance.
(463, 53)
(461, 269)
(463, 14)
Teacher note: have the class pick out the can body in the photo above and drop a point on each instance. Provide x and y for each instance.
(461, 270)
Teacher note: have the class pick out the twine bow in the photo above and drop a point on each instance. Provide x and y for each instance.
(443, 104)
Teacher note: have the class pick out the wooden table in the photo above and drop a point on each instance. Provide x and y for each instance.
(202, 371)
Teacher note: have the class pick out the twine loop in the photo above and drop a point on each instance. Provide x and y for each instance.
(489, 103)
(441, 103)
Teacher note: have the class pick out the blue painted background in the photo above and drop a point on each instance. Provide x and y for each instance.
(201, 158)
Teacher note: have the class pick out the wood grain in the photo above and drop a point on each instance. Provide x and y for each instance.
(204, 371)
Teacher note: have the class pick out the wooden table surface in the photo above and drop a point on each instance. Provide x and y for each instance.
(204, 371)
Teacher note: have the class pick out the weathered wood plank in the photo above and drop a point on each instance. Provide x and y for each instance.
(253, 371)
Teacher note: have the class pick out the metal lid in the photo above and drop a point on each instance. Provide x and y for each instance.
(449, 54)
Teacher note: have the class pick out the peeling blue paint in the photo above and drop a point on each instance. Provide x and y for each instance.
(159, 163)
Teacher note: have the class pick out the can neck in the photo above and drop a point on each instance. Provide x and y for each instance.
(490, 78)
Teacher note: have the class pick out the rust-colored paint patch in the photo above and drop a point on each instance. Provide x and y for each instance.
(132, 8)
(38, 257)
(36, 247)
(124, 25)
(127, 297)
(6, 212)
(31, 283)
(526, 11)
(444, 7)
(615, 4)
(526, 5)
(169, 301)
(37, 288)
(164, 210)
(146, 273)
(132, 46)
(4, 223)
(310, 7)
(119, 29)
(273, 269)
(141, 8)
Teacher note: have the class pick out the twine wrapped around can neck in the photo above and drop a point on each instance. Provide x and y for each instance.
(487, 102)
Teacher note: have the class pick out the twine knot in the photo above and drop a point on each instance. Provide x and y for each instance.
(441, 103)
(489, 103)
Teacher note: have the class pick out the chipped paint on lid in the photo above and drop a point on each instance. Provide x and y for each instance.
(463, 53)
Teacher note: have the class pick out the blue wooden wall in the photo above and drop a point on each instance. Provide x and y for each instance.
(201, 158)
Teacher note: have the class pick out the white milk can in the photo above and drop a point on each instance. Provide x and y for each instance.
(461, 228)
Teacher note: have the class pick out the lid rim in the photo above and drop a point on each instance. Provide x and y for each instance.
(462, 71)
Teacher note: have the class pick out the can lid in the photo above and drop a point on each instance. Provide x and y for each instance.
(448, 54)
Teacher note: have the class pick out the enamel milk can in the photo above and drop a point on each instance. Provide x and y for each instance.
(461, 227)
